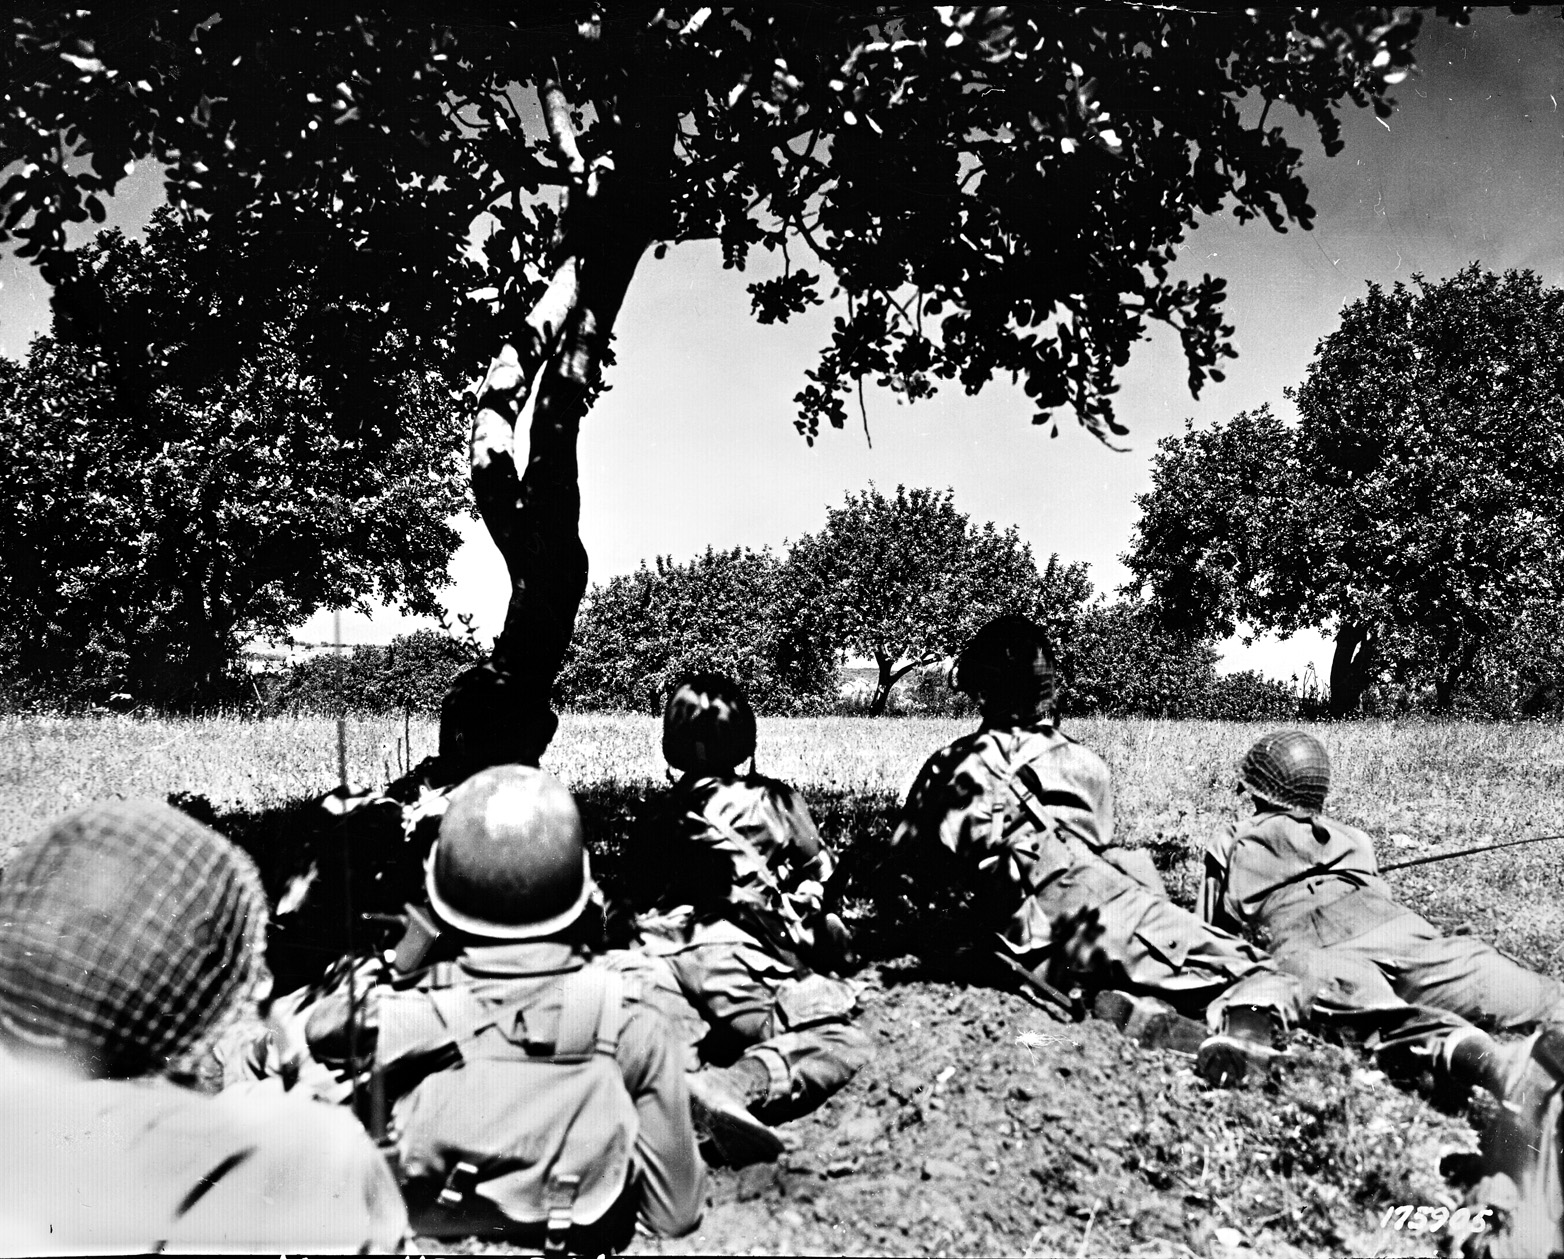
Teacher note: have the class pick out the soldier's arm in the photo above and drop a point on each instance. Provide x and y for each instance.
(814, 859)
(1214, 882)
(667, 1161)
(403, 1020)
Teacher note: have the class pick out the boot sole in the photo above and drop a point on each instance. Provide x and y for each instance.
(1227, 1061)
(737, 1139)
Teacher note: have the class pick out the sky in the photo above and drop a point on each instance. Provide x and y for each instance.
(694, 443)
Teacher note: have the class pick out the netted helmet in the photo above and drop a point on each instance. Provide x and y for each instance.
(1288, 768)
(510, 862)
(128, 933)
(708, 725)
(1008, 666)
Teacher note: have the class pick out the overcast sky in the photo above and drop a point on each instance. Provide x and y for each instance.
(694, 443)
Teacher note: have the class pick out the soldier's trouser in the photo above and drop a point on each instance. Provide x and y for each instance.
(732, 998)
(1140, 942)
(1458, 974)
(1346, 992)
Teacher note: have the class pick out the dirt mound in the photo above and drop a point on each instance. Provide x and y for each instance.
(984, 1126)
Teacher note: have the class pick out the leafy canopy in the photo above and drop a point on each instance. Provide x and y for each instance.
(905, 581)
(991, 191)
(725, 611)
(410, 674)
(157, 517)
(1415, 508)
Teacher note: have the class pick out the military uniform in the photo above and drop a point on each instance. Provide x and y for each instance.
(734, 869)
(130, 941)
(1022, 816)
(460, 1047)
(1312, 885)
(147, 1166)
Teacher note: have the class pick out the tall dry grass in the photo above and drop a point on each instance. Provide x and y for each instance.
(1419, 787)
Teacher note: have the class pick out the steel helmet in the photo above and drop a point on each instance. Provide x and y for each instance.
(510, 862)
(708, 725)
(1008, 663)
(1288, 768)
(129, 934)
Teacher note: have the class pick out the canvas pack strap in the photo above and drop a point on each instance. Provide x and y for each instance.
(1040, 859)
(592, 1013)
(559, 1199)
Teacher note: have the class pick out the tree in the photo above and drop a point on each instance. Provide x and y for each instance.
(991, 191)
(410, 674)
(154, 524)
(905, 581)
(1121, 660)
(637, 635)
(1415, 507)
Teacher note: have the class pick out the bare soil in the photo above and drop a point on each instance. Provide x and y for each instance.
(986, 1127)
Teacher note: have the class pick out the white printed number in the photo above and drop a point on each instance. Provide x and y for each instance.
(1416, 1219)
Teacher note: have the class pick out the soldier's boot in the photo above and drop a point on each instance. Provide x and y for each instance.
(1468, 1058)
(1251, 1040)
(728, 1133)
(1149, 1022)
(1522, 1153)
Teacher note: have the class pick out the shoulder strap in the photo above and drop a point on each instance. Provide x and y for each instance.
(592, 1013)
(1011, 777)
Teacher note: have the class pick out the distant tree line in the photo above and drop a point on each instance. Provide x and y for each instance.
(411, 674)
(893, 583)
(898, 583)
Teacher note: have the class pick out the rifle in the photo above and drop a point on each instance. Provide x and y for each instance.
(375, 1121)
(1072, 1004)
(1464, 852)
(420, 933)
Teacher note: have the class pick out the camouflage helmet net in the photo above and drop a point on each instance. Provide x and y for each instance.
(129, 932)
(1008, 667)
(708, 725)
(1288, 768)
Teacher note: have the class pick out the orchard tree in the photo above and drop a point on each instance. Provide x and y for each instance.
(410, 674)
(1415, 508)
(905, 581)
(637, 635)
(153, 524)
(986, 191)
(1119, 660)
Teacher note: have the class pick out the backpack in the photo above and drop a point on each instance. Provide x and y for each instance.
(509, 1136)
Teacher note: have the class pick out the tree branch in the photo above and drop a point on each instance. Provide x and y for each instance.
(556, 114)
(504, 393)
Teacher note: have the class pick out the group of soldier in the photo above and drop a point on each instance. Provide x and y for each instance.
(512, 1078)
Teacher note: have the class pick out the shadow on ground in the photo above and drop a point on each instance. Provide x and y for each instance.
(323, 873)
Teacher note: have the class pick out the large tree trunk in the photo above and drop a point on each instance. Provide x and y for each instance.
(1352, 668)
(1452, 671)
(890, 675)
(500, 712)
(882, 687)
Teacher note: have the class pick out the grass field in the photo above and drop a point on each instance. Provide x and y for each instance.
(955, 1140)
(1418, 787)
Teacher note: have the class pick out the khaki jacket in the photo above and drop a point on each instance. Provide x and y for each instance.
(136, 1166)
(744, 850)
(1023, 816)
(1288, 874)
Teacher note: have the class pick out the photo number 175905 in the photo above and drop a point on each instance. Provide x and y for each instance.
(1425, 1219)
